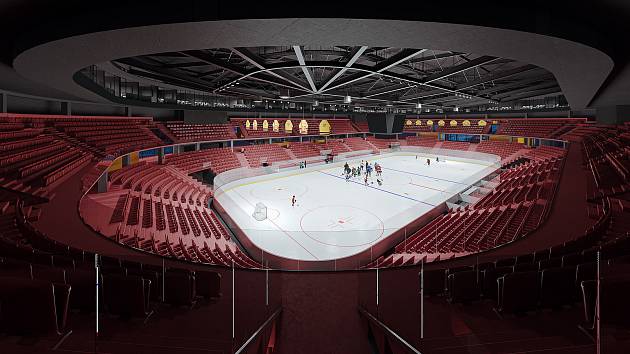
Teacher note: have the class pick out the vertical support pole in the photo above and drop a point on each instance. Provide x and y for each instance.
(377, 316)
(98, 286)
(232, 145)
(422, 300)
(267, 287)
(163, 281)
(233, 307)
(598, 332)
(66, 108)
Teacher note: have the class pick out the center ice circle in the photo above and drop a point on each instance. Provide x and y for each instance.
(342, 226)
(278, 191)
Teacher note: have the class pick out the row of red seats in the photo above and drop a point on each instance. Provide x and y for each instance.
(201, 132)
(515, 207)
(216, 159)
(424, 141)
(543, 128)
(269, 152)
(606, 154)
(304, 150)
(455, 145)
(358, 144)
(502, 148)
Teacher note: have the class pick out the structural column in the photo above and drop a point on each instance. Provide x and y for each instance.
(3, 102)
(66, 108)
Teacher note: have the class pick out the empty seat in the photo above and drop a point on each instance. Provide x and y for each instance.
(434, 281)
(585, 271)
(525, 258)
(489, 280)
(208, 284)
(127, 295)
(463, 286)
(572, 259)
(525, 267)
(556, 287)
(52, 274)
(614, 305)
(83, 284)
(33, 306)
(549, 263)
(518, 292)
(507, 262)
(179, 288)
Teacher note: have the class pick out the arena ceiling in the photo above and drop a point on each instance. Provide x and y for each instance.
(360, 75)
(579, 45)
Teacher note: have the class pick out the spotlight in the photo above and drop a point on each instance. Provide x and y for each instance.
(347, 99)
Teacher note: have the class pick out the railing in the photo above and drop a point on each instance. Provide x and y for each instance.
(388, 331)
(258, 331)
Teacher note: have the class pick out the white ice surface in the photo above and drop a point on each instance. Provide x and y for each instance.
(333, 218)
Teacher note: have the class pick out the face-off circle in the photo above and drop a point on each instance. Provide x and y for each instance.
(329, 224)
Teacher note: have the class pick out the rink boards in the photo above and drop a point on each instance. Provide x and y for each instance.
(339, 224)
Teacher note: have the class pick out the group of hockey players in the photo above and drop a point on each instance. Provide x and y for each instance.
(364, 171)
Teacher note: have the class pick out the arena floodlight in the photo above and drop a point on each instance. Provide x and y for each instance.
(315, 103)
(347, 99)
(418, 105)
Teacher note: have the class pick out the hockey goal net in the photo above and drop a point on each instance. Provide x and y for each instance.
(260, 212)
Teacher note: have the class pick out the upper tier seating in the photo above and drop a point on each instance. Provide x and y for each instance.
(35, 158)
(422, 140)
(362, 126)
(337, 146)
(455, 145)
(502, 148)
(337, 126)
(216, 159)
(358, 144)
(473, 128)
(543, 128)
(382, 143)
(304, 150)
(201, 132)
(606, 154)
(269, 152)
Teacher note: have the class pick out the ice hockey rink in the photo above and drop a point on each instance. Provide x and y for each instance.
(334, 218)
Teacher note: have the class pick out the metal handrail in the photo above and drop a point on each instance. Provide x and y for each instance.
(389, 331)
(256, 333)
